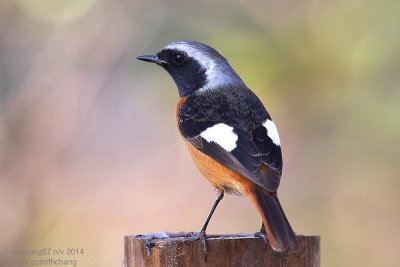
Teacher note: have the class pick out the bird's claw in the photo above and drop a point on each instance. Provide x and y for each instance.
(199, 236)
(203, 238)
(190, 235)
(263, 235)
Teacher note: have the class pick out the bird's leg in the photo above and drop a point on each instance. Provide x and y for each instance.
(217, 200)
(262, 234)
(202, 234)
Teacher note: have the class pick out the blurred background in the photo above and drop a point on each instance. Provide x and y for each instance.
(89, 151)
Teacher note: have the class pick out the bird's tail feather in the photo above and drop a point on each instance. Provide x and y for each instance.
(279, 231)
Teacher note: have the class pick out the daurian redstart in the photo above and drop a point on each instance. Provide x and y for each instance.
(228, 132)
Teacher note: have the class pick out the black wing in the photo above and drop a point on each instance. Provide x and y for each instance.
(255, 157)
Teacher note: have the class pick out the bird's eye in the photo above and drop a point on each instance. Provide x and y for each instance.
(178, 59)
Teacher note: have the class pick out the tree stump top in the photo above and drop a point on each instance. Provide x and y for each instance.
(184, 249)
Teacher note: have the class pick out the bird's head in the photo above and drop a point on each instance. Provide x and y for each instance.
(195, 67)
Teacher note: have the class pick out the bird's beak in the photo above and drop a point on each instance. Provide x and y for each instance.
(152, 59)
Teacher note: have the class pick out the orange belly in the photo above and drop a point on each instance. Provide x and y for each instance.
(218, 175)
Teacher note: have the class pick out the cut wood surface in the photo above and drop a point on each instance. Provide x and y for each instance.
(182, 249)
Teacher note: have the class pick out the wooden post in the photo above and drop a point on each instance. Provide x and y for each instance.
(182, 249)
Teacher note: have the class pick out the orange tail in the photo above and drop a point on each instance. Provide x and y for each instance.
(279, 231)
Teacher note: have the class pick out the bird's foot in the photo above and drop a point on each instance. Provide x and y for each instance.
(202, 237)
(263, 235)
(190, 235)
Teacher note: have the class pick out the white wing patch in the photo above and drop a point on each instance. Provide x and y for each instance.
(272, 132)
(222, 135)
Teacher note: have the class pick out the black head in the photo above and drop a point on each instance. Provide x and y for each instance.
(195, 67)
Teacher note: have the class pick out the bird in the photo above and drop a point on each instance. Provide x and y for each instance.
(229, 134)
